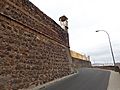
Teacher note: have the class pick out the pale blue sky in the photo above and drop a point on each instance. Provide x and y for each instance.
(85, 17)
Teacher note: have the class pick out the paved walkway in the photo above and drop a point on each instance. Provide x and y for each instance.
(114, 81)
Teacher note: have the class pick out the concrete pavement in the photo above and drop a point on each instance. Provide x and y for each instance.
(114, 81)
(86, 79)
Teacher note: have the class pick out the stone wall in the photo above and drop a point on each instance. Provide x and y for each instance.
(114, 68)
(79, 60)
(33, 48)
(79, 63)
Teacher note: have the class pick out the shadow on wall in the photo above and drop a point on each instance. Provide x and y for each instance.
(79, 63)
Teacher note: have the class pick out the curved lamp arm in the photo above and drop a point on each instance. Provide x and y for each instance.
(110, 44)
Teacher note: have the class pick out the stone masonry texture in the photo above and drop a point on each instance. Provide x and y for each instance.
(79, 63)
(32, 46)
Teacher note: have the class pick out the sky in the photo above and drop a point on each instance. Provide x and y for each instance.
(84, 18)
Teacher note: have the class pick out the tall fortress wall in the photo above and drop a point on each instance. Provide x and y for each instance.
(33, 47)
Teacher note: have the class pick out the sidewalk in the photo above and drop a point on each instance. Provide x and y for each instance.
(114, 81)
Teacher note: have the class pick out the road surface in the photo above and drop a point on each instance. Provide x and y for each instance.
(86, 79)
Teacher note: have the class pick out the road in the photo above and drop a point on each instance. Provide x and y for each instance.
(86, 79)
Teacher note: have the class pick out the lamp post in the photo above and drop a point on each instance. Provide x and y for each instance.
(110, 45)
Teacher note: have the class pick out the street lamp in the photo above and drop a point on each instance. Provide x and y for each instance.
(110, 45)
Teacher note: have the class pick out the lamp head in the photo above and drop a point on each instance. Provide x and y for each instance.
(97, 30)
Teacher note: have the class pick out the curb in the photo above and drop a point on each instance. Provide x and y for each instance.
(52, 82)
(40, 87)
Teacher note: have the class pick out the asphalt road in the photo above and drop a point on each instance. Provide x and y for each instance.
(86, 79)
